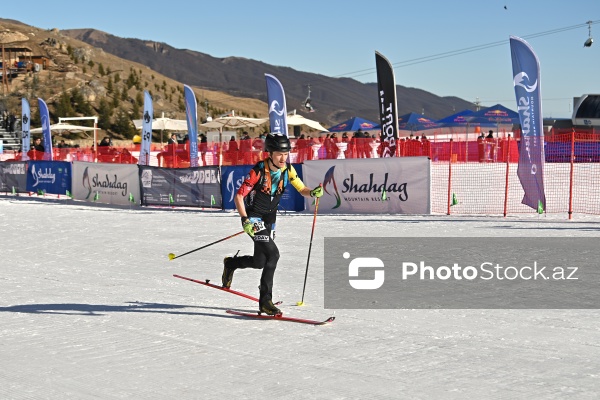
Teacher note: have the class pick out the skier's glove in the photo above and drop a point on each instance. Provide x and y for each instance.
(248, 226)
(317, 192)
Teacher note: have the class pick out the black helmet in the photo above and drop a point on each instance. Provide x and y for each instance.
(277, 142)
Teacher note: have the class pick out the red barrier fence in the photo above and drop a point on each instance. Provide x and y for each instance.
(467, 177)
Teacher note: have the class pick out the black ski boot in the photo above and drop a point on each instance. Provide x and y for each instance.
(228, 271)
(269, 308)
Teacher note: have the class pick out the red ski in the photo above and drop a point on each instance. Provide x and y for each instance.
(207, 283)
(212, 285)
(279, 317)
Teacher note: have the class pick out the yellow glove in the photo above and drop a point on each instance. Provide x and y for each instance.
(248, 226)
(317, 192)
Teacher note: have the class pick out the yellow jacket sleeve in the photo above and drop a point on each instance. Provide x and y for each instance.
(295, 180)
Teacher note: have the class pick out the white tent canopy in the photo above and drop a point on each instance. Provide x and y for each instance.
(61, 126)
(234, 122)
(297, 119)
(166, 124)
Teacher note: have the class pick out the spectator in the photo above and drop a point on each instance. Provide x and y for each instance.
(203, 147)
(426, 145)
(361, 144)
(37, 145)
(173, 139)
(246, 148)
(302, 149)
(490, 147)
(258, 144)
(12, 123)
(335, 150)
(233, 151)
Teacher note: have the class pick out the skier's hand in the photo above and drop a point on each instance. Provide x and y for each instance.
(317, 192)
(248, 226)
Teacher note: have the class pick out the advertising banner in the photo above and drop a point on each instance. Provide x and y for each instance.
(13, 177)
(191, 116)
(388, 109)
(372, 186)
(46, 131)
(277, 105)
(234, 176)
(144, 158)
(526, 80)
(49, 177)
(189, 187)
(106, 183)
(25, 127)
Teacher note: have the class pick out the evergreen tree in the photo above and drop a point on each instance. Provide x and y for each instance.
(116, 98)
(136, 110)
(104, 113)
(63, 107)
(123, 125)
(80, 104)
(109, 86)
(139, 99)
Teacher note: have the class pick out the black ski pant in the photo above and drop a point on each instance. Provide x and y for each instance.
(266, 255)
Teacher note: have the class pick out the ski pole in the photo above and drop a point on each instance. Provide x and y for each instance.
(173, 256)
(301, 302)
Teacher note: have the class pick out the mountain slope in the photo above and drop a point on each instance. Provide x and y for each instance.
(334, 99)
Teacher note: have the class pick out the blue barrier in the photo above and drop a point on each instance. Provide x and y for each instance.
(233, 176)
(49, 176)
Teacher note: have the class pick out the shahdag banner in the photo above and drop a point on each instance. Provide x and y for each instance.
(46, 133)
(399, 185)
(277, 105)
(526, 80)
(49, 177)
(191, 114)
(25, 127)
(146, 130)
(388, 109)
(105, 183)
(190, 187)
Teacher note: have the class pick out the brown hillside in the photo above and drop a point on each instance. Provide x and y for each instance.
(75, 66)
(334, 99)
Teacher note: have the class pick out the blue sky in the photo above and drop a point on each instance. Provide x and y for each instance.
(339, 38)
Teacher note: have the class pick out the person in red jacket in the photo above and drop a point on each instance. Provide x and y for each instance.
(256, 202)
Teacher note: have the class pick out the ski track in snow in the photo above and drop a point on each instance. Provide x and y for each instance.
(89, 309)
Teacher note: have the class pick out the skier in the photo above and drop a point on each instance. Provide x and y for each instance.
(256, 202)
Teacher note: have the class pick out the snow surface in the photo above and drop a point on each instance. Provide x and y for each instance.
(89, 310)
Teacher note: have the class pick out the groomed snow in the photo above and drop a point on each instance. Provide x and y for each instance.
(89, 310)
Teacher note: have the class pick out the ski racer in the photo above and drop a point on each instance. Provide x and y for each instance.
(256, 202)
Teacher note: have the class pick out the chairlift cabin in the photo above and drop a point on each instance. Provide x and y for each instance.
(307, 105)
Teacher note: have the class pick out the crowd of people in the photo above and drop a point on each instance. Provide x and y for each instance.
(9, 121)
(248, 150)
(305, 147)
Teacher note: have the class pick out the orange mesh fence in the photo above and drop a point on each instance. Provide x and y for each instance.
(491, 185)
